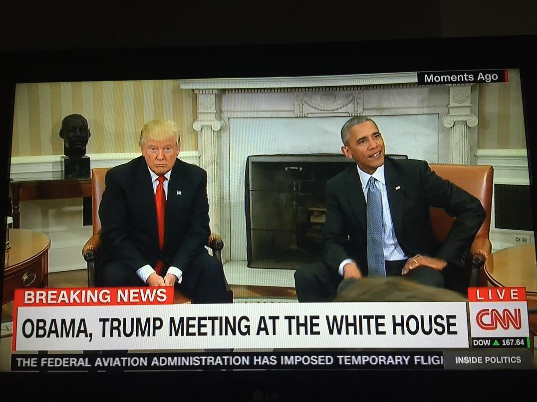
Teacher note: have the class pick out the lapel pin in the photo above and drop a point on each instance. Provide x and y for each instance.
(179, 192)
(397, 188)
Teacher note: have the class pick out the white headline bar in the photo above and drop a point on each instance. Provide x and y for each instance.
(242, 326)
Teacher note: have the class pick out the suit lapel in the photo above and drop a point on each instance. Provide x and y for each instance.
(175, 193)
(146, 193)
(395, 195)
(355, 195)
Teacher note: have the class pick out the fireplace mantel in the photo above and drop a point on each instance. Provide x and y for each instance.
(238, 117)
(293, 83)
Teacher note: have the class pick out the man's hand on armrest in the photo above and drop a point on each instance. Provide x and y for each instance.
(351, 270)
(423, 261)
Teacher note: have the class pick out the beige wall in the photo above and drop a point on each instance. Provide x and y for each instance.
(501, 122)
(115, 110)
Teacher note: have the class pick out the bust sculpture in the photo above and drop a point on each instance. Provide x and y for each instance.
(75, 134)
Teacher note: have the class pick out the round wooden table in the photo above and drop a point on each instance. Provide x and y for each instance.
(512, 267)
(516, 267)
(26, 261)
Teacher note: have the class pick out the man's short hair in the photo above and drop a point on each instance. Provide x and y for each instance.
(353, 121)
(155, 129)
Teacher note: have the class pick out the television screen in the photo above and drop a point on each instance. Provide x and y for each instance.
(265, 229)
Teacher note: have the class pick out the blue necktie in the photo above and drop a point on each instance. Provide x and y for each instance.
(375, 232)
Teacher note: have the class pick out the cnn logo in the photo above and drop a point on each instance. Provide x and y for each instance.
(489, 319)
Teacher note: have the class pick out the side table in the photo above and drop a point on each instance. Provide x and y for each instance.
(28, 190)
(26, 262)
(516, 267)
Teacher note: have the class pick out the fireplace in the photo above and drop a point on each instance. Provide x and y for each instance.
(240, 117)
(285, 200)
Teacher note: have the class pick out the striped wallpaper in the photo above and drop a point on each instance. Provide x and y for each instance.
(115, 110)
(501, 120)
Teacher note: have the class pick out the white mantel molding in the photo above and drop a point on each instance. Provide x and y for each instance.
(271, 83)
(208, 111)
(214, 124)
(459, 119)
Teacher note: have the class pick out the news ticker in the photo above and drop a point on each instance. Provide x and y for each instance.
(133, 319)
(278, 360)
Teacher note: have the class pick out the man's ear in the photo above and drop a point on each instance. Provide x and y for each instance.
(345, 151)
(61, 133)
(89, 132)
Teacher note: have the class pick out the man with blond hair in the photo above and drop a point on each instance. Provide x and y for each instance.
(155, 221)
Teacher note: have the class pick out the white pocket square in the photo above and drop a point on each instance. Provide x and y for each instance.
(179, 192)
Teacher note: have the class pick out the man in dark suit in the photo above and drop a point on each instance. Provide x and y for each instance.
(136, 248)
(406, 190)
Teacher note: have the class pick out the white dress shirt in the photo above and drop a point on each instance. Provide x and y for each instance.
(392, 250)
(144, 272)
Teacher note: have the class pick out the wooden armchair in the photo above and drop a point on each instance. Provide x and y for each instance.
(477, 180)
(89, 251)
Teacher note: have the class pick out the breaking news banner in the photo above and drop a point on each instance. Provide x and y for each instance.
(462, 77)
(134, 319)
(498, 317)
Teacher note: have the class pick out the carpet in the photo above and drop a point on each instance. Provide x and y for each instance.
(7, 329)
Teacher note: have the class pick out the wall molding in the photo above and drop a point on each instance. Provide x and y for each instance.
(510, 165)
(50, 166)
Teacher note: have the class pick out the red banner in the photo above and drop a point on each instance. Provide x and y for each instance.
(496, 294)
(93, 296)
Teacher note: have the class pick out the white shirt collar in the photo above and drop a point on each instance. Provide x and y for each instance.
(154, 176)
(378, 174)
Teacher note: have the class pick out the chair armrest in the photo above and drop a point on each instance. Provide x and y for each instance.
(215, 242)
(89, 250)
(480, 250)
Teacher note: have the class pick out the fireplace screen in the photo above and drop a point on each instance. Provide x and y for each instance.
(286, 206)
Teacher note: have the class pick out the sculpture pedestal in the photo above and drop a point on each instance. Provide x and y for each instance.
(75, 168)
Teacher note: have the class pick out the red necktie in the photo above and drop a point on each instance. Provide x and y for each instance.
(160, 202)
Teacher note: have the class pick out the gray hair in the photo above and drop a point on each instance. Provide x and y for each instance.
(353, 121)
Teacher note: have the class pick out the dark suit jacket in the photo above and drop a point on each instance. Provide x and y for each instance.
(129, 221)
(412, 188)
